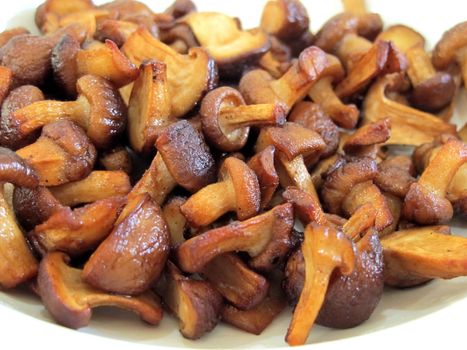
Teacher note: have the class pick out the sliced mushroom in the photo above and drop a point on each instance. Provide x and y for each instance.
(285, 19)
(432, 90)
(96, 186)
(77, 231)
(257, 86)
(70, 62)
(63, 153)
(195, 303)
(226, 119)
(114, 266)
(237, 190)
(117, 158)
(238, 284)
(409, 126)
(416, 255)
(426, 201)
(99, 110)
(70, 300)
(189, 76)
(232, 48)
(266, 238)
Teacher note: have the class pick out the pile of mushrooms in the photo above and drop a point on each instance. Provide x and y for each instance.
(176, 160)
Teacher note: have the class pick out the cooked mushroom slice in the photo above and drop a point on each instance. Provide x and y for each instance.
(257, 86)
(17, 264)
(63, 153)
(432, 90)
(365, 140)
(262, 164)
(6, 80)
(149, 108)
(99, 110)
(237, 190)
(114, 266)
(116, 30)
(16, 99)
(7, 34)
(409, 126)
(117, 158)
(180, 8)
(70, 62)
(189, 76)
(426, 201)
(295, 147)
(324, 251)
(86, 19)
(178, 36)
(325, 167)
(176, 222)
(52, 10)
(97, 185)
(266, 238)
(452, 49)
(226, 119)
(258, 318)
(232, 48)
(415, 255)
(395, 175)
(341, 180)
(195, 303)
(322, 92)
(77, 231)
(70, 300)
(239, 285)
(285, 19)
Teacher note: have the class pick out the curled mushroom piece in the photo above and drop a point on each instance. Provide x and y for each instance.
(226, 119)
(266, 238)
(324, 250)
(63, 153)
(17, 263)
(149, 108)
(70, 62)
(140, 228)
(99, 110)
(237, 190)
(188, 76)
(295, 147)
(257, 86)
(395, 175)
(365, 140)
(232, 48)
(322, 92)
(96, 186)
(70, 300)
(452, 49)
(409, 126)
(195, 303)
(418, 254)
(432, 90)
(426, 201)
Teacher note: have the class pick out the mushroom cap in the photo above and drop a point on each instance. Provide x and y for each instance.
(211, 107)
(186, 155)
(64, 63)
(402, 36)
(124, 8)
(334, 29)
(451, 42)
(6, 35)
(433, 93)
(246, 186)
(15, 170)
(108, 114)
(180, 8)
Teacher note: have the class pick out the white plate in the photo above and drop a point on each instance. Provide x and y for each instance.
(427, 316)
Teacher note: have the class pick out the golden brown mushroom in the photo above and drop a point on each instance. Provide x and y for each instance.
(114, 266)
(189, 76)
(99, 110)
(237, 190)
(50, 11)
(195, 303)
(395, 175)
(365, 141)
(6, 79)
(70, 300)
(226, 119)
(285, 19)
(63, 153)
(7, 34)
(176, 222)
(117, 158)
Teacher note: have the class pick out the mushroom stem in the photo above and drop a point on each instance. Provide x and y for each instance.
(322, 92)
(210, 203)
(419, 68)
(250, 115)
(356, 7)
(351, 48)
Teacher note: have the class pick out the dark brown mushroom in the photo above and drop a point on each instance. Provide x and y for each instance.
(70, 300)
(116, 30)
(62, 153)
(285, 19)
(7, 34)
(99, 110)
(226, 119)
(395, 175)
(140, 228)
(180, 8)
